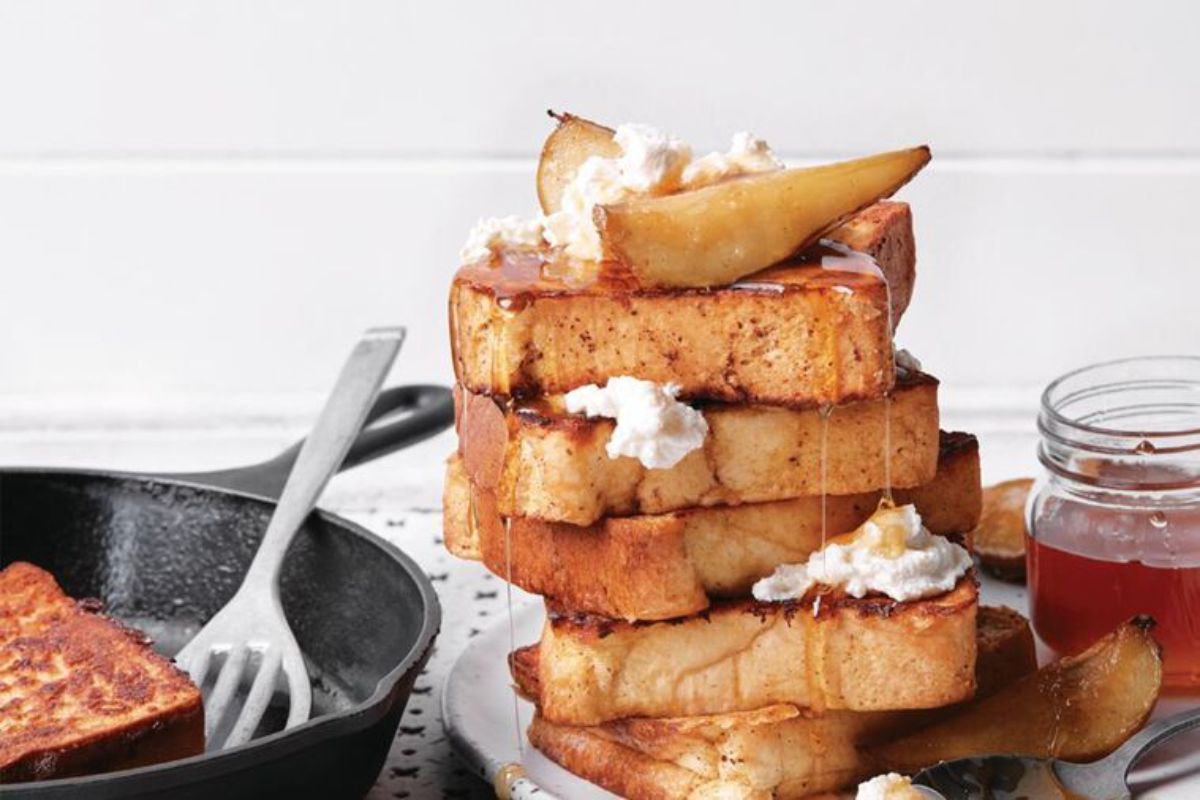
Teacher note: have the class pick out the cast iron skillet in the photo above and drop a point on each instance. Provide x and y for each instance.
(164, 553)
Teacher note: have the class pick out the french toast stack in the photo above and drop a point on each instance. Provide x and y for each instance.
(658, 673)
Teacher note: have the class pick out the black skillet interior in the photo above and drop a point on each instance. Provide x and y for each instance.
(164, 556)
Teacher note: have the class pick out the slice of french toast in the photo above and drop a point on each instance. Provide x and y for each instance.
(544, 463)
(869, 654)
(80, 693)
(670, 565)
(780, 751)
(796, 334)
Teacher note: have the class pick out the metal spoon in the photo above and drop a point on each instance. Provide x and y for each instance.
(1005, 776)
(251, 631)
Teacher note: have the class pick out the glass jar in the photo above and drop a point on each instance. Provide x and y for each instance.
(1115, 520)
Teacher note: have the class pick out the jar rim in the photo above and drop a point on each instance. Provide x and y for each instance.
(1050, 403)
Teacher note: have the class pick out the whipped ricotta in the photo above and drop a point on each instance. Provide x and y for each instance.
(888, 787)
(892, 553)
(651, 163)
(652, 426)
(493, 233)
(747, 154)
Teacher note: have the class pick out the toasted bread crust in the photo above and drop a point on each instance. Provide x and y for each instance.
(777, 751)
(544, 463)
(814, 337)
(861, 655)
(81, 694)
(622, 770)
(666, 566)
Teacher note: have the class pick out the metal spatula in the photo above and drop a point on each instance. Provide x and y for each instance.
(251, 630)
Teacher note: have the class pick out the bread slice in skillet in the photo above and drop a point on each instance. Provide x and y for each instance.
(80, 693)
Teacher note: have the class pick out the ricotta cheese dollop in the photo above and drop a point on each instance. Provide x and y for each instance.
(651, 163)
(652, 426)
(493, 233)
(747, 154)
(892, 553)
(888, 787)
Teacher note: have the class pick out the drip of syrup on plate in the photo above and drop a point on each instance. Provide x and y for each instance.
(512, 629)
(506, 776)
(473, 511)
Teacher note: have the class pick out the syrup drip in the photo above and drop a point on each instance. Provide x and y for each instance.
(506, 776)
(887, 500)
(512, 629)
(835, 256)
(887, 403)
(825, 412)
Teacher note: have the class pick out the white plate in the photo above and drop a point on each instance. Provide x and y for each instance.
(480, 714)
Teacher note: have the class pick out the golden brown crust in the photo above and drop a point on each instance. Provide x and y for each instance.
(659, 567)
(862, 655)
(621, 770)
(79, 693)
(547, 464)
(1006, 649)
(817, 336)
(884, 232)
(958, 467)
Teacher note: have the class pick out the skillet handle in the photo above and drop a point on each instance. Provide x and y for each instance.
(423, 411)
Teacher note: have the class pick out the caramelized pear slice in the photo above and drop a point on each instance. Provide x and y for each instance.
(1079, 708)
(999, 539)
(571, 143)
(715, 235)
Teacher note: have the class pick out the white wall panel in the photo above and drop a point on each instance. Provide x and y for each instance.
(226, 278)
(203, 201)
(383, 76)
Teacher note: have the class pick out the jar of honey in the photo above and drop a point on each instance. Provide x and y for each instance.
(1115, 519)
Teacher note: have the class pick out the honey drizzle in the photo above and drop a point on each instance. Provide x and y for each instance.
(887, 449)
(824, 413)
(512, 629)
(506, 777)
(473, 510)
(887, 398)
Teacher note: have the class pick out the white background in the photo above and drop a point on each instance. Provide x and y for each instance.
(202, 203)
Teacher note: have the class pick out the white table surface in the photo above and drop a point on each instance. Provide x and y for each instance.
(399, 498)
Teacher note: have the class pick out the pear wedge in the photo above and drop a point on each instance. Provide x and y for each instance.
(1079, 708)
(572, 142)
(715, 235)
